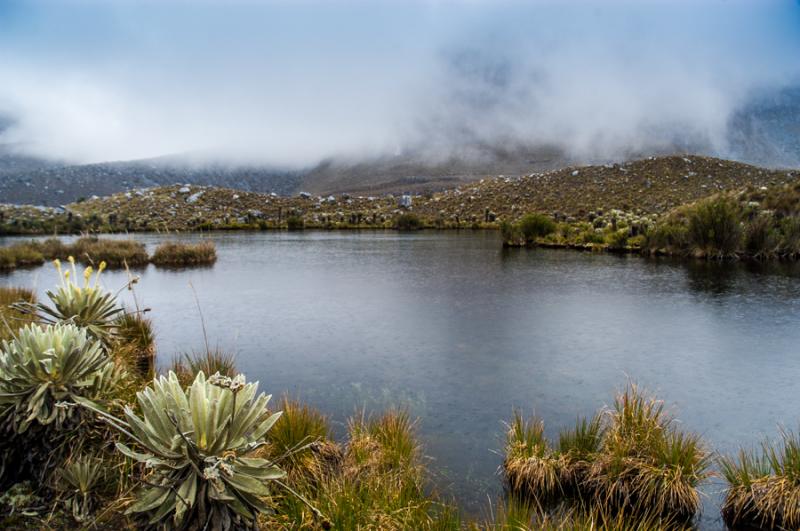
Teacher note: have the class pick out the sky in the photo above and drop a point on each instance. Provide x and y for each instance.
(292, 82)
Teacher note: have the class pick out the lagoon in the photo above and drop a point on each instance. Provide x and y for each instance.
(461, 332)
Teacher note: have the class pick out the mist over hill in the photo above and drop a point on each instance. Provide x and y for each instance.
(766, 132)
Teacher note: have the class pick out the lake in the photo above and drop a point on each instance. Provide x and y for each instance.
(462, 332)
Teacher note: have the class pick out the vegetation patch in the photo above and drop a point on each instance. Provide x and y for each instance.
(185, 254)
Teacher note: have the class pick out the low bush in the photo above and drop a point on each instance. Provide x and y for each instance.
(295, 223)
(714, 227)
(184, 254)
(533, 226)
(407, 222)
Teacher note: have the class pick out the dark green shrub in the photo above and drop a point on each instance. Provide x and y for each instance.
(408, 221)
(714, 227)
(535, 226)
(669, 236)
(512, 236)
(295, 223)
(760, 237)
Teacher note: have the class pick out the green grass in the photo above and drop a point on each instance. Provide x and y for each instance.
(184, 254)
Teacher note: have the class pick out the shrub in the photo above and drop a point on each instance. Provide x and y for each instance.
(534, 226)
(197, 445)
(789, 244)
(184, 254)
(295, 223)
(714, 227)
(669, 235)
(408, 221)
(760, 238)
(618, 239)
(764, 488)
(511, 234)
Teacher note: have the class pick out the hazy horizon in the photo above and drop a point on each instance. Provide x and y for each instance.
(291, 83)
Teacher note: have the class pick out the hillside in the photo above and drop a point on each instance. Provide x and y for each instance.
(646, 187)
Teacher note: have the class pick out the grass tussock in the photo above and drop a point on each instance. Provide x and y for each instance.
(185, 254)
(134, 343)
(375, 480)
(631, 459)
(764, 487)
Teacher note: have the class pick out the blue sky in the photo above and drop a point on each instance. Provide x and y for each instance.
(292, 82)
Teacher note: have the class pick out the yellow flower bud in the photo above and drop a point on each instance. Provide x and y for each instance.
(102, 265)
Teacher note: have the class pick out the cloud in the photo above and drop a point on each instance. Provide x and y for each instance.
(291, 83)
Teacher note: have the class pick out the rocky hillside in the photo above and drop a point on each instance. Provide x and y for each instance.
(646, 187)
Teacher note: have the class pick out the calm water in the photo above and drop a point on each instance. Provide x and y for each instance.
(462, 332)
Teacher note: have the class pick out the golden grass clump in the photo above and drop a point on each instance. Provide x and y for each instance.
(764, 487)
(532, 468)
(185, 254)
(646, 465)
(631, 459)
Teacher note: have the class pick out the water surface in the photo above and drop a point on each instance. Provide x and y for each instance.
(461, 332)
